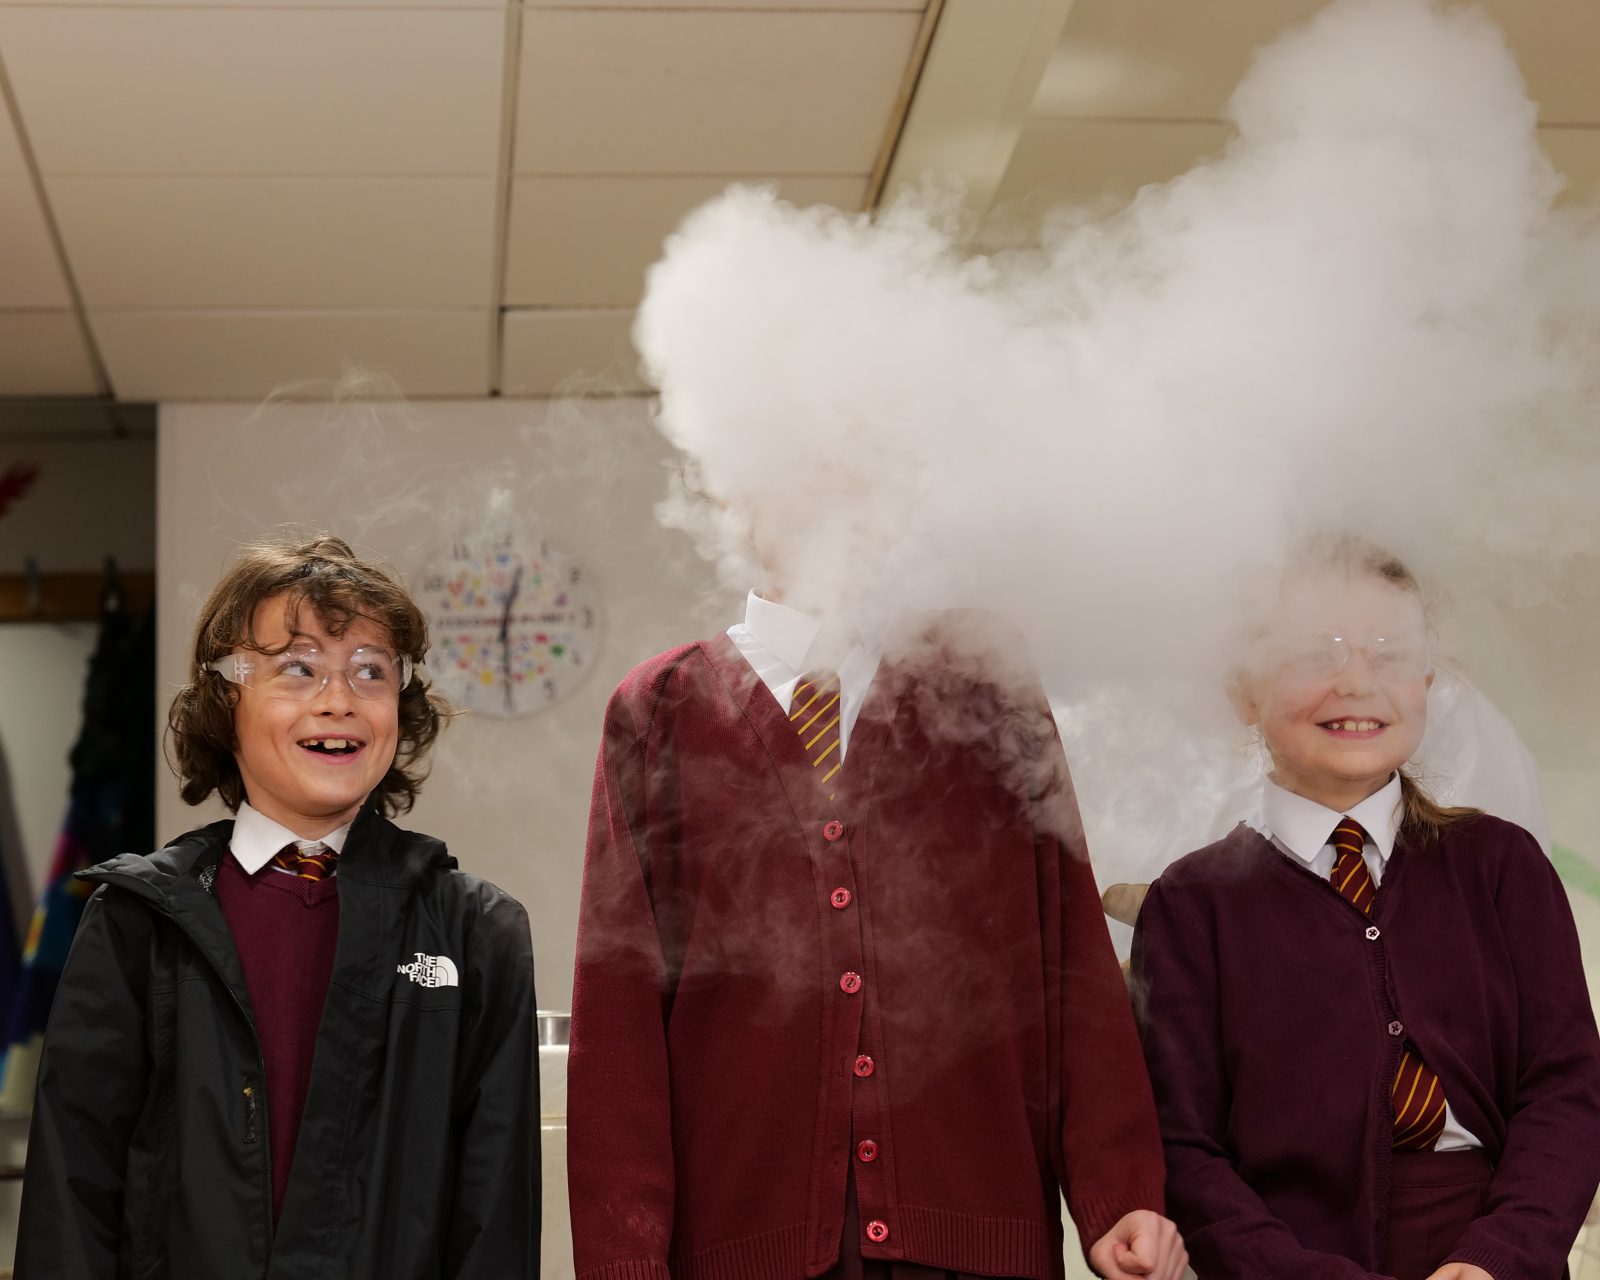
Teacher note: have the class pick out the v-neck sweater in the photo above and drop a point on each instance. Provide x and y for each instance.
(1274, 1014)
(913, 980)
(286, 930)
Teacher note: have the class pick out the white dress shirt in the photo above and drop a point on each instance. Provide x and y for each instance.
(257, 840)
(1302, 829)
(776, 641)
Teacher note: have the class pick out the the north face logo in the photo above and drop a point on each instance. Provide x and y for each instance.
(431, 971)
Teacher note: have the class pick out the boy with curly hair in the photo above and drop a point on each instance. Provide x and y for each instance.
(298, 1042)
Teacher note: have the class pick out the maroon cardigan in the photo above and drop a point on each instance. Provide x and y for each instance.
(1273, 1015)
(724, 1068)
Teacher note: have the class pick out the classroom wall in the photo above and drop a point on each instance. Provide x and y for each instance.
(510, 796)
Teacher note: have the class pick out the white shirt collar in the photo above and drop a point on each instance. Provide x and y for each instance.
(257, 839)
(788, 634)
(776, 641)
(1303, 826)
(783, 632)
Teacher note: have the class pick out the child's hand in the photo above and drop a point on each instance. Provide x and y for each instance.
(1143, 1244)
(1460, 1271)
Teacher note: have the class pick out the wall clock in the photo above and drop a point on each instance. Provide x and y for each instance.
(513, 623)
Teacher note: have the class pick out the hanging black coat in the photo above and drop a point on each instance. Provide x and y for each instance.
(417, 1155)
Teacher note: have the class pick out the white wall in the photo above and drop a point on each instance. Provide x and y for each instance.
(510, 797)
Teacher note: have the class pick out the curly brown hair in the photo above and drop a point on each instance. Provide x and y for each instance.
(340, 587)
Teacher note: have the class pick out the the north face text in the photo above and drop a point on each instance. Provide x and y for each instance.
(431, 971)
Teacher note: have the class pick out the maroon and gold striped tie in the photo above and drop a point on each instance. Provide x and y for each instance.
(1416, 1096)
(309, 861)
(815, 713)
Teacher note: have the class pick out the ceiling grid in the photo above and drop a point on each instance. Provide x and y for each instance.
(223, 199)
(253, 196)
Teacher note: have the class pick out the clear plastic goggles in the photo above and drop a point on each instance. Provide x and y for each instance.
(299, 674)
(1324, 655)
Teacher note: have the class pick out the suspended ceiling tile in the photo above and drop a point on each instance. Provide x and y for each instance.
(586, 242)
(30, 272)
(1059, 162)
(278, 242)
(1169, 59)
(1576, 153)
(583, 352)
(708, 92)
(915, 6)
(42, 354)
(243, 355)
(12, 164)
(1555, 42)
(498, 5)
(258, 91)
(1173, 59)
(974, 92)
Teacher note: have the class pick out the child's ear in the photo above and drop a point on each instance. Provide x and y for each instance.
(1243, 700)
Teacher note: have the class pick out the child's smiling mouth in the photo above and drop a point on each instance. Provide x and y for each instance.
(1353, 727)
(333, 749)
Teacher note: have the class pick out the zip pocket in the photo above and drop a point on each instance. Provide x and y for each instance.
(252, 1108)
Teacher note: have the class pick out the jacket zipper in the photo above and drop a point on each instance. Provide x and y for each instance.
(249, 1108)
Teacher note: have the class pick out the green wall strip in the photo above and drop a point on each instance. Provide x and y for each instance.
(1576, 872)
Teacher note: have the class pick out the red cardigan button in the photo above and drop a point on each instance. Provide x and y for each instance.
(840, 898)
(865, 1066)
(850, 983)
(1397, 1028)
(866, 1151)
(877, 1231)
(832, 830)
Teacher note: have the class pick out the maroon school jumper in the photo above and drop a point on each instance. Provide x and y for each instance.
(285, 929)
(911, 987)
(1274, 1013)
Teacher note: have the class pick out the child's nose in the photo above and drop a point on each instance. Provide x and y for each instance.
(1357, 676)
(336, 697)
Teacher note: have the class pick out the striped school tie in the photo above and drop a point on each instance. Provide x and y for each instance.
(815, 714)
(310, 861)
(1416, 1096)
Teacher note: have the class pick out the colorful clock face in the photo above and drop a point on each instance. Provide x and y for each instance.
(513, 625)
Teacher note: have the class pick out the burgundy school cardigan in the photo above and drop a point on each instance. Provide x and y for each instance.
(915, 978)
(1273, 1015)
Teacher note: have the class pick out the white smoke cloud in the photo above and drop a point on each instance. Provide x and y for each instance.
(1364, 314)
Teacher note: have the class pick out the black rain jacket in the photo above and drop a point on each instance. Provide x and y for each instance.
(418, 1152)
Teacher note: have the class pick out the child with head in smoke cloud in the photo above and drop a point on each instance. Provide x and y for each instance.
(1367, 1023)
(845, 1003)
(300, 1039)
